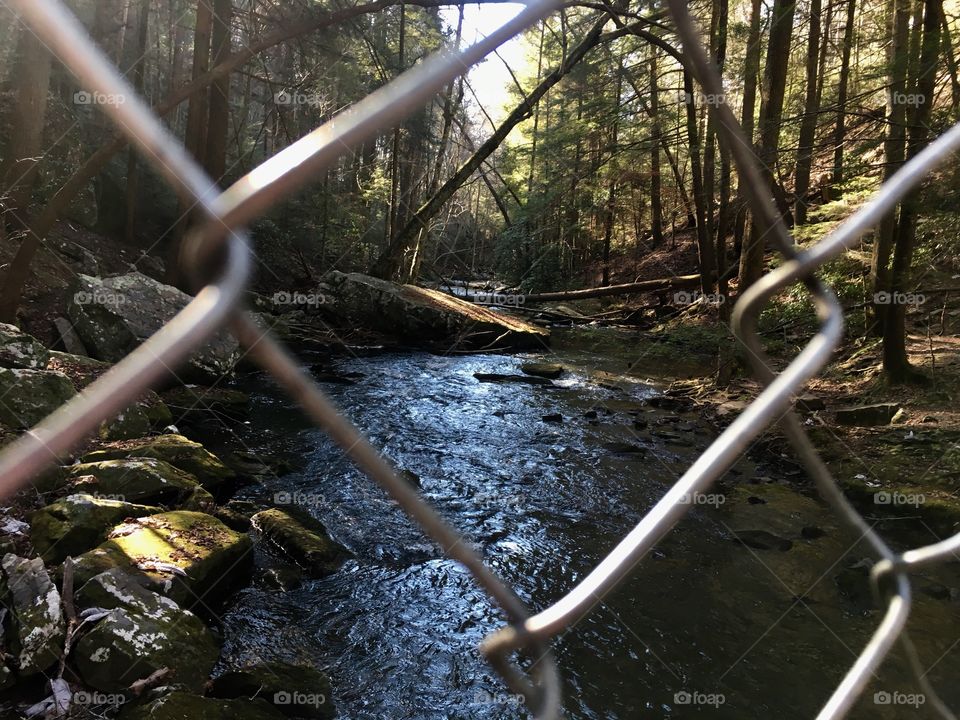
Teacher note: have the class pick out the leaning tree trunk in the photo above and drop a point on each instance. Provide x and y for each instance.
(771, 117)
(19, 170)
(389, 262)
(896, 364)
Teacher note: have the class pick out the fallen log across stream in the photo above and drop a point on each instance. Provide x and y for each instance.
(678, 282)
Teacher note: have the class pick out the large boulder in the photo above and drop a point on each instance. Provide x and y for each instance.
(28, 396)
(114, 315)
(415, 314)
(76, 523)
(188, 556)
(19, 350)
(143, 632)
(180, 705)
(297, 691)
(133, 479)
(34, 603)
(195, 403)
(302, 538)
(189, 456)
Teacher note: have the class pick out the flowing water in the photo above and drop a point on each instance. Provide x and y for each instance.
(706, 627)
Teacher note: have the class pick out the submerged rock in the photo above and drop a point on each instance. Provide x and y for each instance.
(297, 691)
(143, 632)
(301, 537)
(189, 456)
(28, 396)
(114, 315)
(20, 350)
(412, 313)
(762, 540)
(77, 523)
(34, 604)
(545, 370)
(522, 379)
(134, 479)
(180, 705)
(188, 556)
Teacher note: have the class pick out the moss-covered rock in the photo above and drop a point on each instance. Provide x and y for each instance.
(180, 705)
(143, 633)
(34, 603)
(188, 556)
(84, 370)
(296, 691)
(133, 479)
(131, 423)
(20, 350)
(189, 456)
(200, 500)
(76, 523)
(301, 537)
(28, 396)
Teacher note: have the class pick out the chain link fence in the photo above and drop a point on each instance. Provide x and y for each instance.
(520, 652)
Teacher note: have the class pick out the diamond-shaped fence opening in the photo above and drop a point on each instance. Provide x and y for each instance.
(218, 304)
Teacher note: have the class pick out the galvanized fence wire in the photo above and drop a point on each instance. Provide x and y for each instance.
(218, 304)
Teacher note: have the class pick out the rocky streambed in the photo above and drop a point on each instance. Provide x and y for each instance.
(212, 555)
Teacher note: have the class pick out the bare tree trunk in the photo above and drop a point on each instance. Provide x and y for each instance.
(839, 133)
(894, 149)
(751, 77)
(196, 133)
(218, 123)
(389, 262)
(139, 73)
(771, 117)
(808, 125)
(896, 364)
(719, 46)
(19, 170)
(394, 212)
(656, 202)
(612, 183)
(704, 241)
